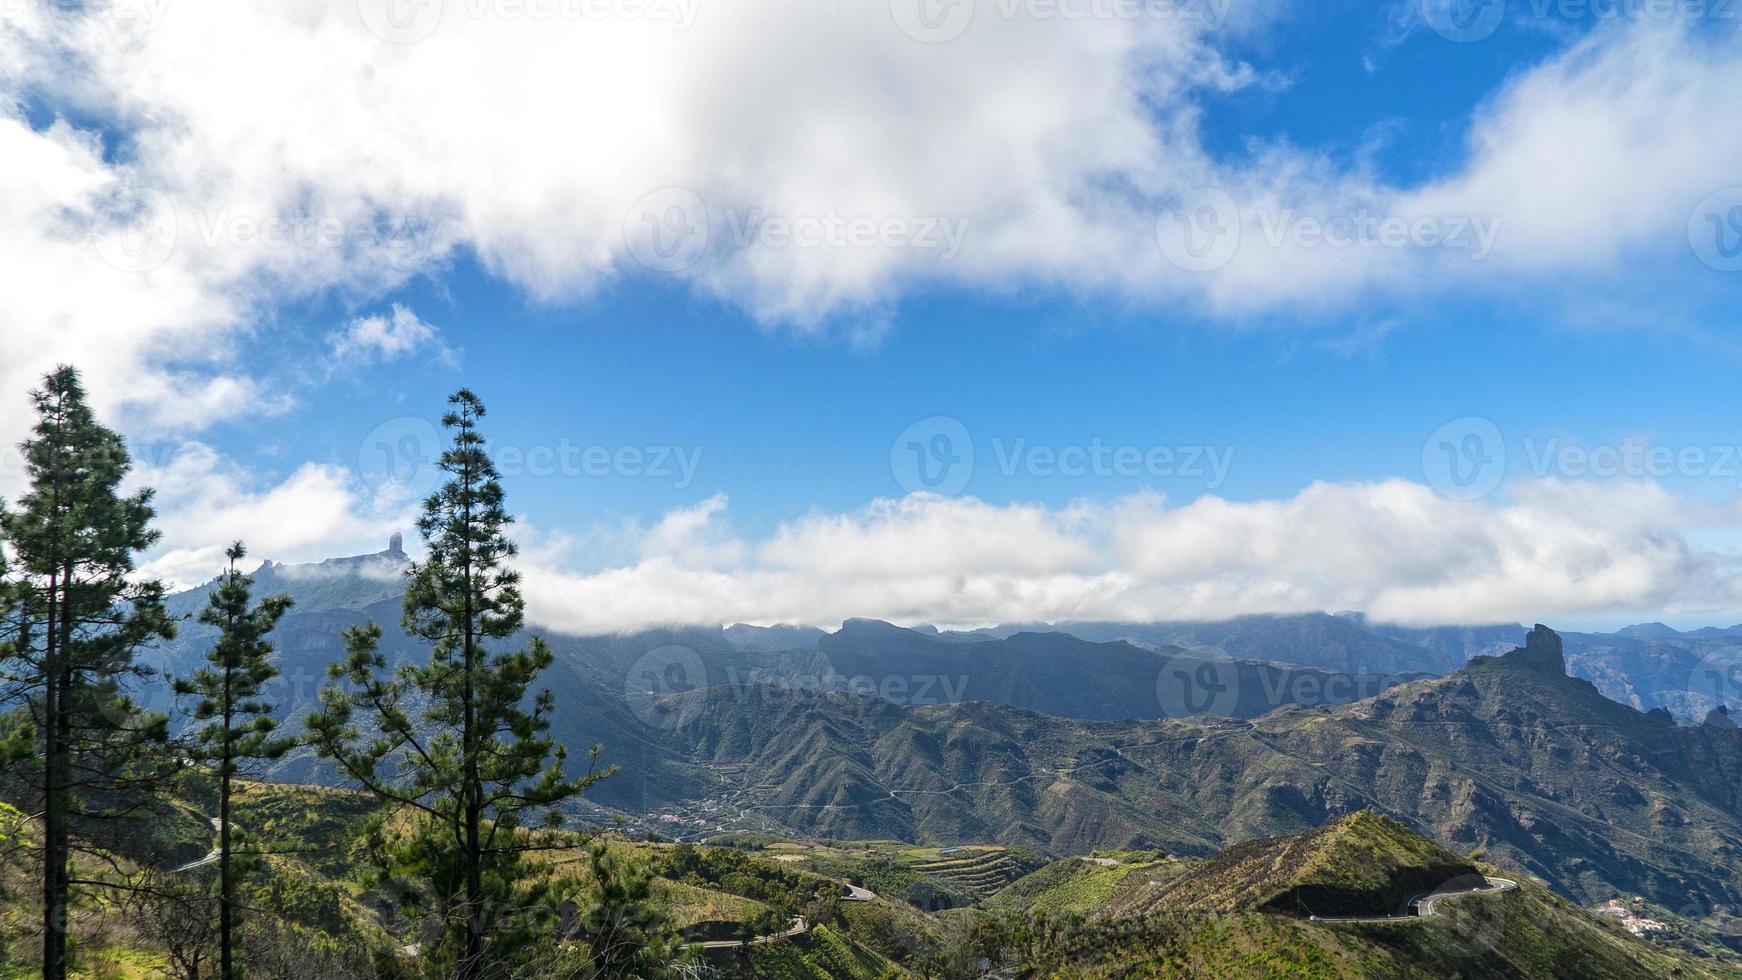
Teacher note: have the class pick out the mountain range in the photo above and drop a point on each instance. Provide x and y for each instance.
(1187, 737)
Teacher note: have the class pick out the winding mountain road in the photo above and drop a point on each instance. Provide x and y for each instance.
(799, 928)
(1421, 906)
(211, 856)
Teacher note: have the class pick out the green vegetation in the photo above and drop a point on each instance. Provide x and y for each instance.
(449, 743)
(1072, 885)
(1361, 864)
(238, 728)
(76, 619)
(459, 856)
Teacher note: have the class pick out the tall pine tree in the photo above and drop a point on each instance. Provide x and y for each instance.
(455, 740)
(72, 639)
(238, 729)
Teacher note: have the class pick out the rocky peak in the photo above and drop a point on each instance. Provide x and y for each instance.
(396, 545)
(1719, 717)
(1541, 651)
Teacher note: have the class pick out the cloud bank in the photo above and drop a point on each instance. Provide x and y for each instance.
(811, 163)
(1395, 549)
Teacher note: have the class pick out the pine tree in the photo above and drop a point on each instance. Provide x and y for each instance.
(455, 741)
(239, 728)
(72, 639)
(628, 933)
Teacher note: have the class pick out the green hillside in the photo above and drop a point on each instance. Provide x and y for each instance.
(1507, 755)
(1235, 914)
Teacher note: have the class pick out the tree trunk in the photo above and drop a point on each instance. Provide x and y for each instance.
(57, 776)
(226, 879)
(54, 835)
(470, 738)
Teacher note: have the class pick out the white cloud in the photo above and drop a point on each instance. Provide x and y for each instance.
(279, 149)
(536, 139)
(1394, 549)
(399, 333)
(206, 501)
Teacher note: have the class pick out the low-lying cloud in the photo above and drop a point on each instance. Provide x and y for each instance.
(1394, 549)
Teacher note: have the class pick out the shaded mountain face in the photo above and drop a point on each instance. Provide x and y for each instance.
(1646, 666)
(1059, 674)
(1508, 754)
(876, 731)
(1343, 643)
(607, 686)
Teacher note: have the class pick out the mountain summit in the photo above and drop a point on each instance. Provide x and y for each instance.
(1541, 651)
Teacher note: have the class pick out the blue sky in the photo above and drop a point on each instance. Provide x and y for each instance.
(784, 424)
(772, 389)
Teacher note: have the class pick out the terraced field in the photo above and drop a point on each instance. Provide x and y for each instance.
(980, 871)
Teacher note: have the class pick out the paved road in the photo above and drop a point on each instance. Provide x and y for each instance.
(1421, 906)
(856, 894)
(211, 856)
(799, 928)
